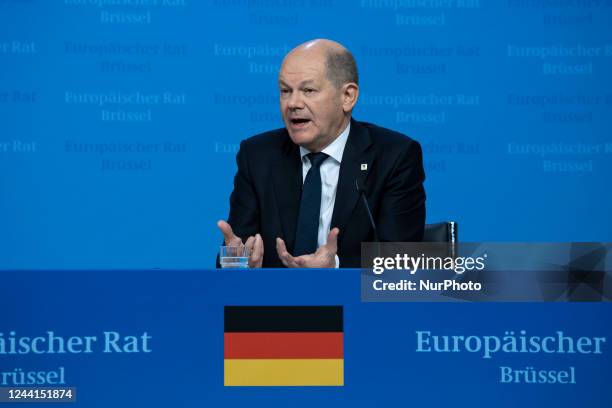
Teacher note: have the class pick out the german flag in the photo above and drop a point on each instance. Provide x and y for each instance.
(283, 346)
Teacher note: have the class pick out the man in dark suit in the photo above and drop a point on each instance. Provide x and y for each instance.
(296, 199)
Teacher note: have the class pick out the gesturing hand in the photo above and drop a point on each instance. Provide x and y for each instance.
(254, 244)
(324, 257)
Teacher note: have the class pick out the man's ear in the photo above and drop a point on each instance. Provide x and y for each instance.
(350, 94)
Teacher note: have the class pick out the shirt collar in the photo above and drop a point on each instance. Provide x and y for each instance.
(335, 148)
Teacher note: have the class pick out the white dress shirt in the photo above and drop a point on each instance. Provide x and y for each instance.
(330, 170)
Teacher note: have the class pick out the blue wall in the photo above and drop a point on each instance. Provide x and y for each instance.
(119, 123)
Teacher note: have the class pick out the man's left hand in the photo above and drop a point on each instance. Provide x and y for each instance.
(324, 257)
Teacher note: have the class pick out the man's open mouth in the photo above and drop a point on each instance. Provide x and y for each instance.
(299, 121)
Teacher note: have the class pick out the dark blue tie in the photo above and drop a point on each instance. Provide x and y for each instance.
(310, 208)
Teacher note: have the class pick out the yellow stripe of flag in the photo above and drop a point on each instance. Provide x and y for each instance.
(284, 372)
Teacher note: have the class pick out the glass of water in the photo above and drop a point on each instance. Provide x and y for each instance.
(234, 256)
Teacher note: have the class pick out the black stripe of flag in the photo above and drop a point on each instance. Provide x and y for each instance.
(283, 319)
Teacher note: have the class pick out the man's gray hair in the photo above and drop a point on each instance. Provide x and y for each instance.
(341, 67)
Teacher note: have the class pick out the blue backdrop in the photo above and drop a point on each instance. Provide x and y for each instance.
(119, 122)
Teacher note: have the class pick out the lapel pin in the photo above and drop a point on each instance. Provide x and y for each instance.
(364, 166)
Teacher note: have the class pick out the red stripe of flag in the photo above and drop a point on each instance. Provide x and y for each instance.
(284, 345)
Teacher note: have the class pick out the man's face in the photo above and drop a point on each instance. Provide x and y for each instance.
(310, 104)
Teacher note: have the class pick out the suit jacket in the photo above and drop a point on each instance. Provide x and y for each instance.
(268, 185)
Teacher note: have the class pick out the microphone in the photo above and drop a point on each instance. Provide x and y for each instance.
(361, 192)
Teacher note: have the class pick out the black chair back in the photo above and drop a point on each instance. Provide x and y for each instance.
(441, 232)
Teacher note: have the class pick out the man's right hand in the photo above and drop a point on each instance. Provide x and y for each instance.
(253, 243)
